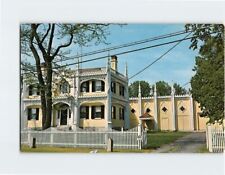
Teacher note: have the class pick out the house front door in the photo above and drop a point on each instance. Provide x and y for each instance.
(63, 118)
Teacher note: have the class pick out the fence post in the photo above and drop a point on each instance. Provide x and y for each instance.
(207, 137)
(51, 138)
(106, 138)
(139, 139)
(75, 139)
(223, 140)
(28, 137)
(210, 138)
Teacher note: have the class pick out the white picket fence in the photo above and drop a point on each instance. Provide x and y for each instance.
(135, 138)
(215, 139)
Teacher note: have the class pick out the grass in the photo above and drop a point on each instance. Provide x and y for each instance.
(48, 149)
(203, 149)
(157, 139)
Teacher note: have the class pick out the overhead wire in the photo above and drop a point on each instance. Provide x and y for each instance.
(159, 58)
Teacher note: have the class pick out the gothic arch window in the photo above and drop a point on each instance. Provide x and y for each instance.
(64, 87)
(85, 86)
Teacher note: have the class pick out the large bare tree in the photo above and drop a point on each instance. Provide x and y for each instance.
(45, 42)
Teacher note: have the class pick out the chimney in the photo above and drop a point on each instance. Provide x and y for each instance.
(114, 62)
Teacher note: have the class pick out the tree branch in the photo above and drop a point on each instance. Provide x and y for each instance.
(46, 34)
(51, 39)
(34, 31)
(64, 45)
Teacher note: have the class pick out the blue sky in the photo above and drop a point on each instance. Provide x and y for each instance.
(174, 67)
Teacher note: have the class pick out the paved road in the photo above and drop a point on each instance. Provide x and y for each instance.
(187, 144)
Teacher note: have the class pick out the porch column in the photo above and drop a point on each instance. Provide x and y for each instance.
(191, 113)
(108, 106)
(173, 108)
(23, 111)
(127, 107)
(155, 108)
(76, 117)
(24, 121)
(139, 102)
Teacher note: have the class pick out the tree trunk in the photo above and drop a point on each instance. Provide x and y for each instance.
(47, 122)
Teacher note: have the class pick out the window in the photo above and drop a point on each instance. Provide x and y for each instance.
(182, 108)
(85, 86)
(33, 113)
(148, 110)
(34, 90)
(121, 88)
(113, 87)
(30, 90)
(133, 110)
(64, 87)
(84, 112)
(121, 113)
(98, 86)
(164, 109)
(97, 112)
(113, 112)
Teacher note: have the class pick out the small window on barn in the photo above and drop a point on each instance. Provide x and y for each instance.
(164, 109)
(182, 108)
(148, 110)
(133, 110)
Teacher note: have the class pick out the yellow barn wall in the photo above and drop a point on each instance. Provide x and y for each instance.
(200, 122)
(134, 117)
(35, 123)
(148, 103)
(165, 118)
(183, 117)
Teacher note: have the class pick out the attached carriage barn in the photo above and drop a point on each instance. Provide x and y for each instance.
(98, 99)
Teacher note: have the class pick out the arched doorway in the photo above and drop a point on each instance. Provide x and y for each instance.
(62, 114)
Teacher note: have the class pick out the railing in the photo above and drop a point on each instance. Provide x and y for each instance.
(215, 139)
(131, 139)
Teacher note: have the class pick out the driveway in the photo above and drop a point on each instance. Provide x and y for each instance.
(187, 144)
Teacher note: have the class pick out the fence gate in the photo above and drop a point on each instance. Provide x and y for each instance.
(215, 139)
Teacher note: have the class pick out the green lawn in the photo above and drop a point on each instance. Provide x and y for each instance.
(44, 149)
(203, 149)
(157, 139)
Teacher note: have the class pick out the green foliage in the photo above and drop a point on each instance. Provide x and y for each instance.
(179, 90)
(208, 82)
(145, 89)
(163, 89)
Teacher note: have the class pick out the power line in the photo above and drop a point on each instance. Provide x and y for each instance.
(169, 35)
(126, 52)
(142, 70)
(125, 45)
